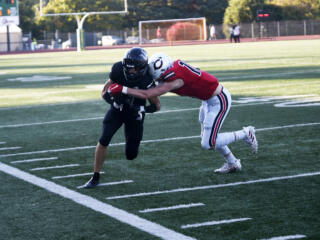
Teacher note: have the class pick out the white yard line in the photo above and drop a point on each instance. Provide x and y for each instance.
(288, 126)
(109, 183)
(195, 225)
(297, 236)
(35, 160)
(168, 139)
(38, 78)
(96, 205)
(43, 94)
(75, 175)
(98, 118)
(147, 141)
(52, 122)
(2, 142)
(9, 148)
(177, 110)
(269, 75)
(180, 206)
(188, 189)
(49, 105)
(48, 151)
(265, 100)
(54, 167)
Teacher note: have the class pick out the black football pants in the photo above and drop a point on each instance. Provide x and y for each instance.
(133, 130)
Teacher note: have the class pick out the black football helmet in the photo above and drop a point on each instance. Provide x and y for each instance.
(136, 58)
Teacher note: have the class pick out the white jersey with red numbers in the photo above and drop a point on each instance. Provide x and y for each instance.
(197, 83)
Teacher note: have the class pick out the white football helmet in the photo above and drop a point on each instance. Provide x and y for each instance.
(158, 64)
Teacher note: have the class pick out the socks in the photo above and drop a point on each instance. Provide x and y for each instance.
(239, 135)
(229, 137)
(224, 139)
(227, 154)
(96, 176)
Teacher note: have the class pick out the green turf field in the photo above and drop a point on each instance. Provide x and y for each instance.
(50, 121)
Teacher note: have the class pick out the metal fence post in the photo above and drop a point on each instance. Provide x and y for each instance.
(8, 38)
(252, 30)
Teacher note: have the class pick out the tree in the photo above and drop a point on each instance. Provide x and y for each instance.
(93, 22)
(27, 15)
(242, 11)
(298, 9)
(215, 12)
(139, 10)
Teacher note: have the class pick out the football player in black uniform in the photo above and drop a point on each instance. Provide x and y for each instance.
(130, 111)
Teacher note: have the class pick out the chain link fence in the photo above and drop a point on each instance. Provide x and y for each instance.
(57, 40)
(280, 29)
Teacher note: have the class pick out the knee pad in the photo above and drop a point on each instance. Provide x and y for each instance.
(218, 145)
(205, 144)
(201, 114)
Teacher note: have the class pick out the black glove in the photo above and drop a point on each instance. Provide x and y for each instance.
(115, 101)
(107, 98)
(151, 108)
(138, 112)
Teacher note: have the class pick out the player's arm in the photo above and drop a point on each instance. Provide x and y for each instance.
(149, 93)
(154, 105)
(104, 93)
(157, 91)
(106, 86)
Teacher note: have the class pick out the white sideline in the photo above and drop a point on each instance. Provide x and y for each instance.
(35, 160)
(148, 141)
(171, 207)
(286, 237)
(213, 186)
(96, 205)
(54, 167)
(215, 223)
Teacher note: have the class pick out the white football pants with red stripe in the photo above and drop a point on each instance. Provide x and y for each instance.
(211, 116)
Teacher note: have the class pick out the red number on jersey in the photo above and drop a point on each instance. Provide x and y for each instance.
(192, 69)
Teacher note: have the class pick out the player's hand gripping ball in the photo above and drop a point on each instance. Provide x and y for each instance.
(116, 89)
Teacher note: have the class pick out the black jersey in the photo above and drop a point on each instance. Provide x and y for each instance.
(117, 76)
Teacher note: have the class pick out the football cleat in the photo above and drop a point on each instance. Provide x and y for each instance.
(91, 183)
(230, 167)
(251, 138)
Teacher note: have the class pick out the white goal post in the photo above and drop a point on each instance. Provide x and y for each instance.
(171, 30)
(80, 20)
